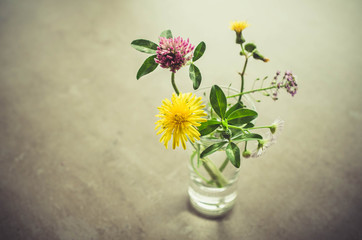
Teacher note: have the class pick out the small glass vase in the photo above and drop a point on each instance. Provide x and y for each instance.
(213, 180)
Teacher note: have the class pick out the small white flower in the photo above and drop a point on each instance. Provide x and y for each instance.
(269, 139)
(277, 126)
(263, 144)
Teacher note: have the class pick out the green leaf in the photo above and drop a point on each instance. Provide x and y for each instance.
(208, 127)
(236, 106)
(218, 101)
(233, 154)
(148, 66)
(212, 148)
(248, 125)
(195, 76)
(242, 116)
(236, 132)
(247, 137)
(144, 45)
(250, 47)
(166, 34)
(199, 51)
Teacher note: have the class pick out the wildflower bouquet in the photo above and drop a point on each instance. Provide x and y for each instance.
(226, 122)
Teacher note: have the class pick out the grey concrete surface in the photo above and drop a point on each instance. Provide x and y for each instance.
(79, 157)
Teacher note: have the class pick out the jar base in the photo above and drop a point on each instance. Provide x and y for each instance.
(211, 206)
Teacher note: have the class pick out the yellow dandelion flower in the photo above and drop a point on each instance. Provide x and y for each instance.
(238, 26)
(180, 117)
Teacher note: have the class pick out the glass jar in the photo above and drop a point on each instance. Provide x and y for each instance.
(213, 179)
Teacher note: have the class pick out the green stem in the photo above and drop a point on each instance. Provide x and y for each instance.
(174, 83)
(252, 91)
(239, 128)
(253, 128)
(224, 164)
(214, 172)
(197, 172)
(221, 168)
(242, 75)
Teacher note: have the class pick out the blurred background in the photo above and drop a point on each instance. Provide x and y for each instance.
(79, 157)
